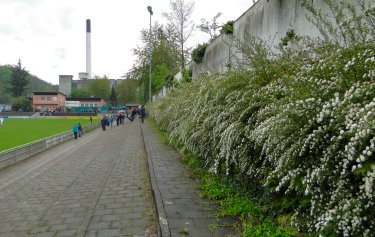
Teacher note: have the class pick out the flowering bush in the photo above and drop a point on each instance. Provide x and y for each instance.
(297, 130)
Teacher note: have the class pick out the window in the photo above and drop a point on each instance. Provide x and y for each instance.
(43, 98)
(49, 98)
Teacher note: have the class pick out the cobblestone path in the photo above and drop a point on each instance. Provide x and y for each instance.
(94, 186)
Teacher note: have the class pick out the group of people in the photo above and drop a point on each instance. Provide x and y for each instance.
(120, 117)
(107, 121)
(77, 130)
(140, 111)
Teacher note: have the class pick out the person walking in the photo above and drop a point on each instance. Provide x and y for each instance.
(104, 122)
(122, 119)
(142, 113)
(80, 130)
(75, 130)
(117, 119)
(90, 120)
(111, 120)
(133, 114)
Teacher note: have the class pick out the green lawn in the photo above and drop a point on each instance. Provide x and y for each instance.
(15, 132)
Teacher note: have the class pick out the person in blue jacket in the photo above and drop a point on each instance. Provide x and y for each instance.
(75, 130)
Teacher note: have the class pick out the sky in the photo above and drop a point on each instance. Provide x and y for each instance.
(49, 36)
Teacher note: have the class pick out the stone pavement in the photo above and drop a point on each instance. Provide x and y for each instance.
(99, 186)
(180, 209)
(94, 186)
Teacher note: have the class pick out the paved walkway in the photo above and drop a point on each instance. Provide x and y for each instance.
(180, 209)
(99, 186)
(93, 186)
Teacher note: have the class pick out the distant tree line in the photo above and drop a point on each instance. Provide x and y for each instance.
(17, 85)
(99, 86)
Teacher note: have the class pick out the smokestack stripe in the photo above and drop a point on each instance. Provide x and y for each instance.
(88, 26)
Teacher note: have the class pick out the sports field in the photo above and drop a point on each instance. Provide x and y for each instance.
(15, 132)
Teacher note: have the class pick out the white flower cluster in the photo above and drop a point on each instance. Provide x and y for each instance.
(307, 133)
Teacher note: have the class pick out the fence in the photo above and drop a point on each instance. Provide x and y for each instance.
(20, 153)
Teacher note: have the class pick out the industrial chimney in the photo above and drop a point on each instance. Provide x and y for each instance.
(88, 48)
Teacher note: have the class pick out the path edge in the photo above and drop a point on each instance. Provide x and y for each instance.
(161, 217)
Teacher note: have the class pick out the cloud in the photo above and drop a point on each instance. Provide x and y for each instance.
(23, 2)
(24, 18)
(18, 39)
(6, 29)
(65, 17)
(50, 35)
(60, 53)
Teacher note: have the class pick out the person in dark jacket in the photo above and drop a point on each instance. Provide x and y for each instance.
(142, 113)
(132, 115)
(104, 122)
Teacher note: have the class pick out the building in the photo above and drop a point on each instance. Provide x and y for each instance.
(57, 101)
(85, 102)
(48, 101)
(67, 84)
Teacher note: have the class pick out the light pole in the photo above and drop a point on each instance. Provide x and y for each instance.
(149, 8)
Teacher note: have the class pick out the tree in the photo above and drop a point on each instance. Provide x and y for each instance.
(5, 86)
(22, 103)
(99, 87)
(198, 53)
(34, 84)
(79, 93)
(112, 97)
(165, 51)
(179, 20)
(19, 79)
(158, 76)
(210, 27)
(127, 91)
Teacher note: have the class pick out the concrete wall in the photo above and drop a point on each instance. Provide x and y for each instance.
(20, 153)
(218, 57)
(268, 20)
(65, 84)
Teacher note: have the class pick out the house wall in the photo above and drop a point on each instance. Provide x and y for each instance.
(50, 102)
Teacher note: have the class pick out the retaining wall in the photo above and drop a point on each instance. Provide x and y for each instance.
(268, 20)
(20, 153)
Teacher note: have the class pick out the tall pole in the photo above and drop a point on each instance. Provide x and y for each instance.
(149, 8)
(88, 48)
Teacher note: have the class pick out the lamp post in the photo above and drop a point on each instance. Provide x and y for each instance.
(149, 8)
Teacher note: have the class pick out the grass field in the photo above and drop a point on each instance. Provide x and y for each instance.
(15, 132)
